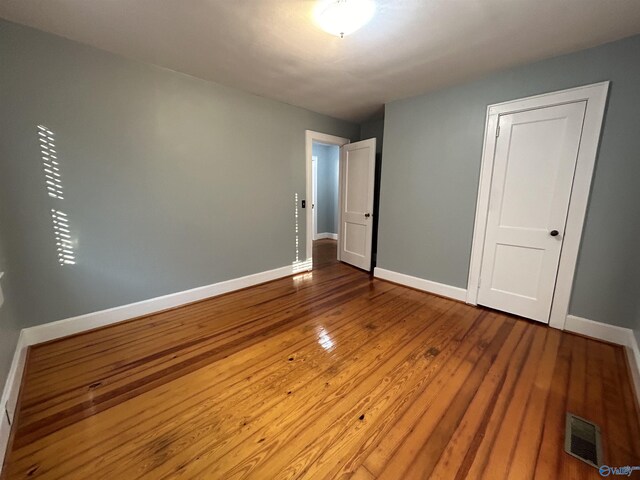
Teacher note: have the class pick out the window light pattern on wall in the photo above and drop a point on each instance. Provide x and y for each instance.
(298, 265)
(53, 180)
(64, 244)
(50, 162)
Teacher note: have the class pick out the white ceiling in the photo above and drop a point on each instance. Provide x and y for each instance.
(274, 49)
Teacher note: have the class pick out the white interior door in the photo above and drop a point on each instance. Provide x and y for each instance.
(357, 174)
(534, 163)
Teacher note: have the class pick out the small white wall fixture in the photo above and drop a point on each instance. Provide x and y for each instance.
(310, 137)
(595, 97)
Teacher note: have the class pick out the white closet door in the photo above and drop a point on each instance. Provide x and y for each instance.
(534, 164)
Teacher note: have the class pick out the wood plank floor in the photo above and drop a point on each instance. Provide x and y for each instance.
(328, 374)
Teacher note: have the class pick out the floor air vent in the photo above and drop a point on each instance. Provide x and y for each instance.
(582, 440)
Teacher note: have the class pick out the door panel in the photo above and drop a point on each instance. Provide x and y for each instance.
(531, 174)
(520, 258)
(357, 174)
(534, 163)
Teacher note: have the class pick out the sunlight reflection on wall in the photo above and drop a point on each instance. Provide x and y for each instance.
(299, 266)
(53, 181)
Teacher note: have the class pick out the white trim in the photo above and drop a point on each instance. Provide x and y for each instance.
(595, 96)
(69, 326)
(456, 293)
(310, 137)
(614, 334)
(5, 431)
(12, 384)
(9, 399)
(482, 208)
(1, 295)
(314, 198)
(601, 331)
(62, 328)
(33, 335)
(333, 236)
(633, 354)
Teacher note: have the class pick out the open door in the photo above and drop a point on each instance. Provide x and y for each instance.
(357, 176)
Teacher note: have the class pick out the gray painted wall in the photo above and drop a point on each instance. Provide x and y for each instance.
(327, 183)
(9, 324)
(432, 151)
(171, 182)
(636, 328)
(373, 129)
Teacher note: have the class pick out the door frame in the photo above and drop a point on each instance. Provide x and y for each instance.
(314, 197)
(595, 96)
(310, 137)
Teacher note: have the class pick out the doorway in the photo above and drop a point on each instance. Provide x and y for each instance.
(340, 184)
(324, 204)
(538, 160)
(321, 147)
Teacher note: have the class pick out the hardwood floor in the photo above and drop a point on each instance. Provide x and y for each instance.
(323, 375)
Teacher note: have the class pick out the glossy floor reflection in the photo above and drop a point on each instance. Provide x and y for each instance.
(323, 375)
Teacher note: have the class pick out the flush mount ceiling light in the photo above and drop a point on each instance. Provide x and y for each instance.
(342, 17)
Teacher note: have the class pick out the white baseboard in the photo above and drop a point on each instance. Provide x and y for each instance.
(69, 326)
(320, 236)
(633, 353)
(601, 331)
(610, 333)
(5, 431)
(41, 333)
(421, 284)
(62, 328)
(9, 399)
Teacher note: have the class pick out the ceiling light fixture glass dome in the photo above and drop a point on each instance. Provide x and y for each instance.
(343, 17)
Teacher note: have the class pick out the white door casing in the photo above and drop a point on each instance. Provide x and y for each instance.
(357, 174)
(310, 137)
(534, 163)
(594, 97)
(314, 200)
